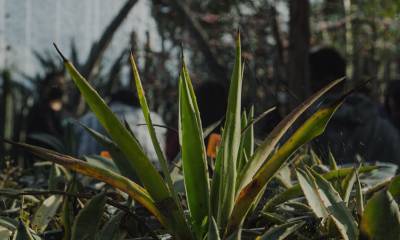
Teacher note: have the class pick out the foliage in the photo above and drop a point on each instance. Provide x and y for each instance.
(222, 201)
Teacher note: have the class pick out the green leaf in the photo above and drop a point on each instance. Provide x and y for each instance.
(224, 179)
(252, 121)
(296, 192)
(332, 161)
(130, 147)
(55, 177)
(381, 218)
(147, 173)
(242, 159)
(111, 229)
(122, 183)
(268, 145)
(118, 158)
(49, 141)
(23, 232)
(102, 162)
(359, 196)
(310, 129)
(336, 208)
(310, 191)
(194, 160)
(347, 185)
(282, 231)
(67, 216)
(152, 132)
(9, 223)
(5, 233)
(394, 186)
(46, 212)
(87, 221)
(247, 139)
(213, 232)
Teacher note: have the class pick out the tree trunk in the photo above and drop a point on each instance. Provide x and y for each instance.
(299, 41)
(201, 36)
(98, 48)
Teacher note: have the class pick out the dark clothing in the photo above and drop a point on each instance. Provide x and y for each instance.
(42, 119)
(358, 128)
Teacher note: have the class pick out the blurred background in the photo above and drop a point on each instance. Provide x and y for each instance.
(97, 35)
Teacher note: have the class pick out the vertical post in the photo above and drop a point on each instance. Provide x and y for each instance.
(2, 33)
(349, 36)
(7, 127)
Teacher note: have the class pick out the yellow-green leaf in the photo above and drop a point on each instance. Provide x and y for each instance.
(310, 129)
(381, 218)
(268, 145)
(194, 160)
(224, 179)
(130, 147)
(295, 191)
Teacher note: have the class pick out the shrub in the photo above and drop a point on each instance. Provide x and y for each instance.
(219, 205)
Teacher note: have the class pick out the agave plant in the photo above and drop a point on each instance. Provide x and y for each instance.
(218, 200)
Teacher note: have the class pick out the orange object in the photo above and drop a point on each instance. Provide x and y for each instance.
(105, 154)
(213, 142)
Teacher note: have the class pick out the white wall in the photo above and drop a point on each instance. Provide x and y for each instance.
(27, 25)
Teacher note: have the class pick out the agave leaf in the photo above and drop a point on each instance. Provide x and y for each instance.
(394, 186)
(242, 152)
(55, 177)
(118, 158)
(87, 222)
(295, 191)
(359, 196)
(194, 160)
(381, 218)
(5, 233)
(102, 162)
(130, 147)
(273, 218)
(282, 231)
(249, 134)
(67, 215)
(122, 183)
(213, 232)
(310, 191)
(316, 160)
(284, 176)
(23, 232)
(121, 136)
(310, 129)
(46, 212)
(253, 121)
(152, 132)
(225, 174)
(111, 229)
(209, 129)
(48, 141)
(269, 144)
(332, 161)
(236, 235)
(336, 208)
(347, 185)
(247, 140)
(9, 223)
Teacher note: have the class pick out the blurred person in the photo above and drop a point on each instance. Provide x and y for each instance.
(126, 106)
(392, 102)
(46, 115)
(358, 129)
